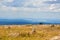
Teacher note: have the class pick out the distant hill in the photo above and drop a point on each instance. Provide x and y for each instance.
(23, 21)
(14, 21)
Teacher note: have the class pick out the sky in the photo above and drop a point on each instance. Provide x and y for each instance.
(30, 9)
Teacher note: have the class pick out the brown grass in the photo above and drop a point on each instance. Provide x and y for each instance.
(24, 32)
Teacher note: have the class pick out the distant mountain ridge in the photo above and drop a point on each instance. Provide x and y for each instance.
(15, 21)
(23, 21)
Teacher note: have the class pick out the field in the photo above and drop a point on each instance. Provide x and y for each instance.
(29, 32)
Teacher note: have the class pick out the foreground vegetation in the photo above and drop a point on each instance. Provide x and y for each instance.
(28, 32)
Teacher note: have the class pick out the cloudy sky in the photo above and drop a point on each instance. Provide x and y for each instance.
(33, 9)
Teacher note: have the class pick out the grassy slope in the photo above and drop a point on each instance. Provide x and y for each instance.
(43, 32)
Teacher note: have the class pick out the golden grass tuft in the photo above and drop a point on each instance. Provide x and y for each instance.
(24, 32)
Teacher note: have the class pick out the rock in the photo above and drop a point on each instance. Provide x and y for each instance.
(55, 38)
(52, 25)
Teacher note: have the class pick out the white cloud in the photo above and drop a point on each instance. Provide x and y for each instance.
(51, 0)
(9, 0)
(0, 0)
(14, 9)
(35, 3)
(52, 6)
(4, 8)
(40, 6)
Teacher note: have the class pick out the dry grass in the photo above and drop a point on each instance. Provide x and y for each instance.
(24, 32)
